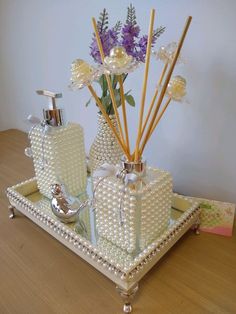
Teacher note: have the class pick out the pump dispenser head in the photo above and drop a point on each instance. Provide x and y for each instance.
(52, 116)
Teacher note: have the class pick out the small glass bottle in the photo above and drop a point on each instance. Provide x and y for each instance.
(58, 151)
(133, 215)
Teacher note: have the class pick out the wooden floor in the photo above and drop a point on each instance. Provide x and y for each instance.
(38, 275)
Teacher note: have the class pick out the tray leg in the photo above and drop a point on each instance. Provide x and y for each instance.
(127, 296)
(11, 211)
(196, 226)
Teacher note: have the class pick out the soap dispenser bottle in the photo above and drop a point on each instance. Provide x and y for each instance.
(58, 150)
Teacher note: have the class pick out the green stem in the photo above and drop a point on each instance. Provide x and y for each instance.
(125, 76)
(104, 89)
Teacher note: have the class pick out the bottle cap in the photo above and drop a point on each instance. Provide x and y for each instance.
(52, 116)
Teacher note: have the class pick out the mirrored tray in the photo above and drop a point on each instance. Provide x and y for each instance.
(122, 268)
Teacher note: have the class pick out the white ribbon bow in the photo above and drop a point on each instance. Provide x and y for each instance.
(107, 170)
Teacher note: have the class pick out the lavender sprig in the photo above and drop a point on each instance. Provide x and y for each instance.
(130, 34)
(131, 15)
(102, 23)
(109, 37)
(141, 48)
(157, 33)
(117, 27)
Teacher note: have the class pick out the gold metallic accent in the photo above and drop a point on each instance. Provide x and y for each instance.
(139, 166)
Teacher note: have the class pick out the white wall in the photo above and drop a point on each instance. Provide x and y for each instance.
(39, 39)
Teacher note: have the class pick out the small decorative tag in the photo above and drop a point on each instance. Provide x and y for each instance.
(216, 217)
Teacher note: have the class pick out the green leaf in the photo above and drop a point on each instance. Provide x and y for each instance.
(88, 102)
(114, 80)
(106, 101)
(124, 76)
(100, 81)
(130, 100)
(117, 97)
(103, 83)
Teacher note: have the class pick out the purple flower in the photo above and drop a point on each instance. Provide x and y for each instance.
(109, 39)
(129, 36)
(141, 48)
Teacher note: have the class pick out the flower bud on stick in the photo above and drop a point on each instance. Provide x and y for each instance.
(167, 79)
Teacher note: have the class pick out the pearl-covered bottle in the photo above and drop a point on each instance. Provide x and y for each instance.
(132, 216)
(58, 151)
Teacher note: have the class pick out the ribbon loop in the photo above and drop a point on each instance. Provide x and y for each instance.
(107, 170)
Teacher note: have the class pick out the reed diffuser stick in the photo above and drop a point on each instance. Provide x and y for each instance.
(167, 79)
(161, 114)
(144, 89)
(122, 98)
(111, 91)
(108, 120)
(157, 121)
(154, 97)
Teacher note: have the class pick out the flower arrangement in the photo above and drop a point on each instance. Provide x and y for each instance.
(125, 35)
(113, 67)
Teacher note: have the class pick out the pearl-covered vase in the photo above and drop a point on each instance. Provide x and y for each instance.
(105, 147)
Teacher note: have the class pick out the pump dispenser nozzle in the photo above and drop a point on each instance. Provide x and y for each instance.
(53, 116)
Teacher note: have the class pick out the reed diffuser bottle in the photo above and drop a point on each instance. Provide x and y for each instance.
(133, 205)
(58, 151)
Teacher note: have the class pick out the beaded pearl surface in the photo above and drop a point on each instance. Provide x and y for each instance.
(105, 147)
(145, 208)
(59, 156)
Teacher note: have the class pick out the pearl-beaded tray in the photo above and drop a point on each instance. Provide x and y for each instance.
(124, 269)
